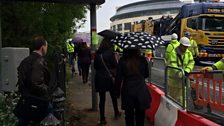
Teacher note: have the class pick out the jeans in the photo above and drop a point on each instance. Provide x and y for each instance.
(25, 122)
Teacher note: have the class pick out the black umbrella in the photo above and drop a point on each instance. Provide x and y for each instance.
(109, 34)
(138, 40)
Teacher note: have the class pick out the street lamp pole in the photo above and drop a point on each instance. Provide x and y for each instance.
(0, 46)
(94, 42)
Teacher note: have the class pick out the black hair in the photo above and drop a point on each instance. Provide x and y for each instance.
(106, 44)
(132, 57)
(37, 42)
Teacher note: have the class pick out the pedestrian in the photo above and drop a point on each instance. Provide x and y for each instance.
(71, 55)
(77, 49)
(173, 44)
(182, 58)
(105, 64)
(130, 83)
(194, 46)
(84, 59)
(33, 85)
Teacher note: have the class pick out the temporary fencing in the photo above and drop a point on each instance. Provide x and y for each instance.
(205, 94)
(170, 111)
(157, 71)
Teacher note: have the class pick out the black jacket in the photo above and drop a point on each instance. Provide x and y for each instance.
(103, 81)
(36, 76)
(134, 91)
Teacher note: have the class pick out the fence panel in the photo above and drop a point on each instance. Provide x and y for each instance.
(157, 71)
(205, 94)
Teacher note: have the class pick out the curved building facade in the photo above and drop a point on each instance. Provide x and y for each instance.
(128, 14)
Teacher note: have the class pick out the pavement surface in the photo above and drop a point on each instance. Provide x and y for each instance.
(80, 99)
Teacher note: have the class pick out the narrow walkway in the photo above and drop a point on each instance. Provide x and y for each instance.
(80, 97)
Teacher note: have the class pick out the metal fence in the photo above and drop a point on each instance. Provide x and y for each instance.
(157, 71)
(175, 85)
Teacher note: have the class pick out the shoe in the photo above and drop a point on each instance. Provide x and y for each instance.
(117, 116)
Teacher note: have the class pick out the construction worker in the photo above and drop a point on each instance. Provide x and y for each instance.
(182, 58)
(148, 53)
(194, 46)
(217, 66)
(173, 44)
(71, 50)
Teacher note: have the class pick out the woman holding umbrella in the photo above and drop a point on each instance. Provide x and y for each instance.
(104, 64)
(131, 73)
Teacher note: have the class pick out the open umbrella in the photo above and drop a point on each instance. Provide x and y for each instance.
(77, 40)
(109, 34)
(138, 40)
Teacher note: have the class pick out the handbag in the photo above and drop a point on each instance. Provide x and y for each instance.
(32, 108)
(110, 74)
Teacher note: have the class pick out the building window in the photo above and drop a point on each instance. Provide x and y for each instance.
(114, 28)
(119, 27)
(127, 26)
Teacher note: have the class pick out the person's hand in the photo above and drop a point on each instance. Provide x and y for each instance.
(206, 69)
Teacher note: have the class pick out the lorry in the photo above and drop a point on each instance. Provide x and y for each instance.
(204, 21)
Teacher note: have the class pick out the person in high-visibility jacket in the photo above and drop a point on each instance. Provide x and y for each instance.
(182, 58)
(173, 44)
(71, 50)
(148, 53)
(194, 46)
(217, 66)
(117, 49)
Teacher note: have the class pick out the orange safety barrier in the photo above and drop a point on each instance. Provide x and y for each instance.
(156, 94)
(206, 81)
(188, 119)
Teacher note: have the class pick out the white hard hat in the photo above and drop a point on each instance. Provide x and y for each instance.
(185, 41)
(174, 36)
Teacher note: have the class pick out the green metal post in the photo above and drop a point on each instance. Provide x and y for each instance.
(94, 42)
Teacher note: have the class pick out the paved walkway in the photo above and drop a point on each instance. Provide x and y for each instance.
(80, 97)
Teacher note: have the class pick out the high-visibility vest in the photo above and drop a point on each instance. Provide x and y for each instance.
(70, 47)
(173, 44)
(193, 48)
(219, 65)
(148, 51)
(187, 62)
(116, 47)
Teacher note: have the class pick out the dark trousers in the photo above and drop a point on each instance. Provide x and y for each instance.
(71, 61)
(79, 67)
(134, 117)
(102, 104)
(85, 72)
(26, 122)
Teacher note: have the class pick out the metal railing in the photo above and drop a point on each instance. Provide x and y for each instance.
(157, 71)
(174, 84)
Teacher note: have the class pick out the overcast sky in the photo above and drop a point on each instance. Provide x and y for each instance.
(107, 10)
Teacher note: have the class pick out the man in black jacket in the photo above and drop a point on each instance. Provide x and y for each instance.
(33, 75)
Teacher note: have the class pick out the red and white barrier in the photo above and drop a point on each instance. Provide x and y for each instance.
(164, 112)
(156, 94)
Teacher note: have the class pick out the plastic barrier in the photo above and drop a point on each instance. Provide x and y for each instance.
(167, 112)
(188, 119)
(206, 85)
(156, 94)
